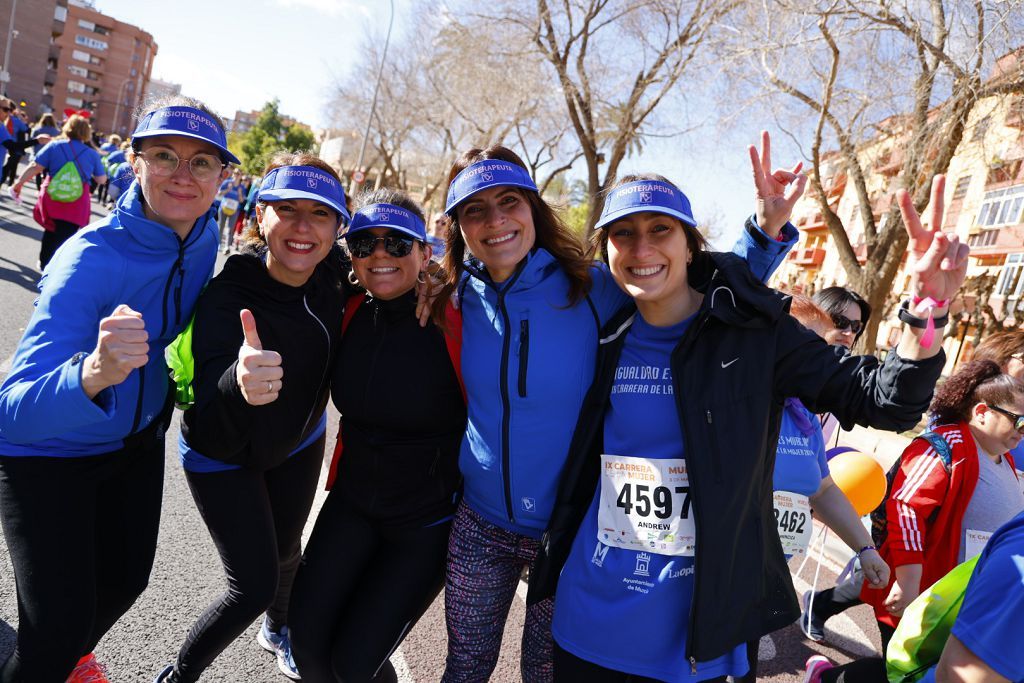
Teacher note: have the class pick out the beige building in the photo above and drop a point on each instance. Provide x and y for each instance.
(984, 200)
(104, 67)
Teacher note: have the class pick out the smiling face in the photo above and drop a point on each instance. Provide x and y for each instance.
(648, 255)
(497, 225)
(388, 277)
(299, 234)
(179, 199)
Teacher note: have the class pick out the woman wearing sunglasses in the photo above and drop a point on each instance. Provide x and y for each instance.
(942, 509)
(85, 405)
(663, 544)
(375, 559)
(849, 313)
(263, 342)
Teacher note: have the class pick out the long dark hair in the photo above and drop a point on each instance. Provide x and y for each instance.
(552, 234)
(599, 238)
(980, 381)
(835, 300)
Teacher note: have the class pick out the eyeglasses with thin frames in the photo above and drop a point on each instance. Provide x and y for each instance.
(203, 167)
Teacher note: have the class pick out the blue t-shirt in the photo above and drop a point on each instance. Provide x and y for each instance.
(625, 609)
(990, 620)
(4, 135)
(194, 461)
(57, 153)
(42, 130)
(232, 190)
(800, 462)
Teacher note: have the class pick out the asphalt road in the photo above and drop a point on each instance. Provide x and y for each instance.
(187, 573)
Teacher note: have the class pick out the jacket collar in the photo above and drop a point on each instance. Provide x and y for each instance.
(150, 234)
(537, 266)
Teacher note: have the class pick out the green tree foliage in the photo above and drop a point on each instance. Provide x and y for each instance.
(269, 135)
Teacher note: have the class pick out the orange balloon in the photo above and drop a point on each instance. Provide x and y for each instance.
(860, 478)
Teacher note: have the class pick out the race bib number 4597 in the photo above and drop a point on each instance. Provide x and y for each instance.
(645, 505)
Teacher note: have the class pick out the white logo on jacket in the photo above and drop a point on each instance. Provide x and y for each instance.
(529, 504)
(643, 564)
(600, 552)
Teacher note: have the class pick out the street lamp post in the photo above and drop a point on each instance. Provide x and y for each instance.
(373, 105)
(7, 48)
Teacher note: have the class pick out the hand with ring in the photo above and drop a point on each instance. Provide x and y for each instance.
(257, 370)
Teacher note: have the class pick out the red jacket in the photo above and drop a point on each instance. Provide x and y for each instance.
(925, 511)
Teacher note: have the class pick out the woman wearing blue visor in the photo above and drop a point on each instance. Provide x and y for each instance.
(533, 303)
(375, 559)
(263, 343)
(663, 543)
(85, 405)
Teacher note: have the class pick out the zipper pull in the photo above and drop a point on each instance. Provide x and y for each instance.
(708, 415)
(693, 660)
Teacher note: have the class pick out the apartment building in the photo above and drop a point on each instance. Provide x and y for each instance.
(984, 202)
(104, 67)
(31, 70)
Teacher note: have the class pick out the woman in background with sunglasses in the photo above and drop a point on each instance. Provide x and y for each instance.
(376, 556)
(263, 341)
(849, 313)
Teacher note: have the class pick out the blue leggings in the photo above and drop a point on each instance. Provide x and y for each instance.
(484, 566)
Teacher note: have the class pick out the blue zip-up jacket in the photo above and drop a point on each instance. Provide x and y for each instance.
(122, 259)
(527, 362)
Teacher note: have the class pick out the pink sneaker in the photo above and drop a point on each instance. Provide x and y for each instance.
(816, 665)
(88, 670)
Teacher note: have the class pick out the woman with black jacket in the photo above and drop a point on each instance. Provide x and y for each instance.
(376, 557)
(264, 339)
(663, 543)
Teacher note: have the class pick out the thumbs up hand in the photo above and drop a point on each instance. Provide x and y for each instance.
(121, 346)
(258, 372)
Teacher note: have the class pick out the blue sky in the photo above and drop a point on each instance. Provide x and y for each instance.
(237, 54)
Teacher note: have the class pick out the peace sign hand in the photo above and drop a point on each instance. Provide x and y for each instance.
(776, 191)
(938, 260)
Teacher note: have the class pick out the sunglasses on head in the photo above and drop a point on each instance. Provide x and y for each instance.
(1018, 420)
(395, 244)
(843, 323)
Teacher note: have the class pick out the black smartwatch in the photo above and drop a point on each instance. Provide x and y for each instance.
(920, 323)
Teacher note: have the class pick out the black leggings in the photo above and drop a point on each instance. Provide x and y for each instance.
(256, 520)
(360, 589)
(52, 239)
(82, 534)
(571, 669)
(866, 669)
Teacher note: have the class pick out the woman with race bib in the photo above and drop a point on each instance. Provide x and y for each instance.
(663, 541)
(231, 195)
(532, 305)
(85, 405)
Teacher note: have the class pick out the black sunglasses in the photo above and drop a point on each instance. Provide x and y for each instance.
(1018, 420)
(843, 323)
(395, 244)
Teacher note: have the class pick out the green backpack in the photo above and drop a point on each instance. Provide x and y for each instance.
(66, 184)
(925, 626)
(182, 365)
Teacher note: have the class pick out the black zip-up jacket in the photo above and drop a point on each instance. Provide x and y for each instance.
(731, 371)
(402, 416)
(303, 324)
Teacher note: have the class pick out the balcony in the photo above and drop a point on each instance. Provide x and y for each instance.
(808, 256)
(57, 29)
(997, 242)
(51, 77)
(890, 164)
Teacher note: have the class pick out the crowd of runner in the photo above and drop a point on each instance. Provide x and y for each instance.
(625, 419)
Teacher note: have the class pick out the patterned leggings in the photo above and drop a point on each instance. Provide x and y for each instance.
(484, 565)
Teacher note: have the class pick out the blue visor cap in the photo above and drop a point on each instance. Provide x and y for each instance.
(186, 121)
(646, 195)
(304, 182)
(387, 216)
(482, 175)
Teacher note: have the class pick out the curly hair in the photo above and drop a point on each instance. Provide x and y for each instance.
(979, 381)
(552, 233)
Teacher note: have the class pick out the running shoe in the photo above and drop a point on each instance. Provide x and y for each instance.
(280, 644)
(811, 624)
(88, 670)
(816, 665)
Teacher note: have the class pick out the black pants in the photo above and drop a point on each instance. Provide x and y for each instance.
(571, 669)
(360, 589)
(52, 239)
(866, 669)
(82, 535)
(256, 519)
(10, 172)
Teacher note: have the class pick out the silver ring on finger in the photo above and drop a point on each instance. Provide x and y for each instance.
(270, 387)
